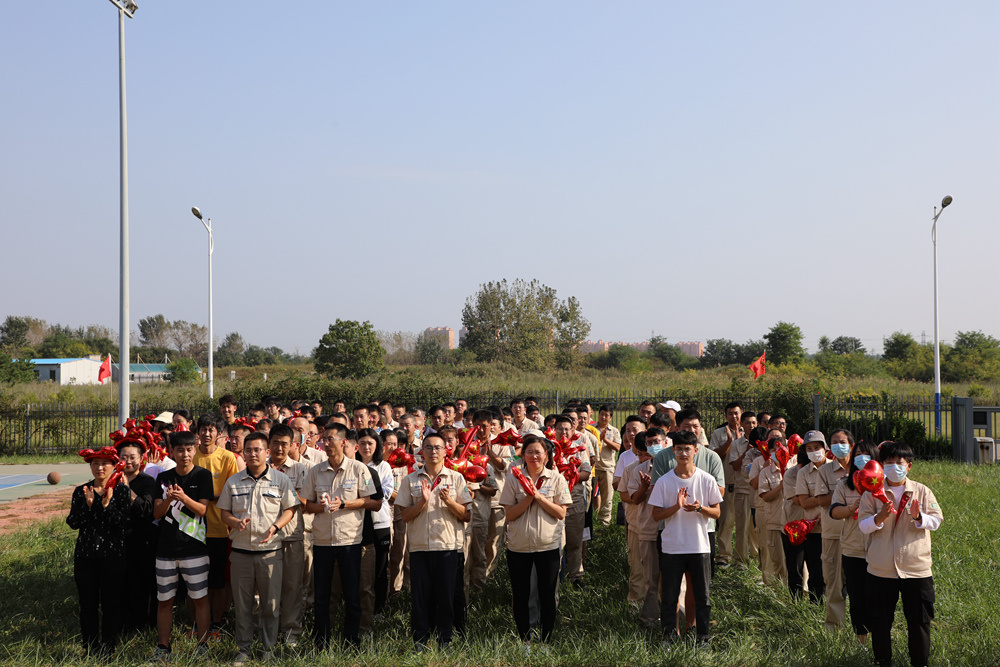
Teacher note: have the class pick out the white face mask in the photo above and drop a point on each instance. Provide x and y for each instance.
(840, 449)
(896, 472)
(818, 456)
(860, 460)
(653, 450)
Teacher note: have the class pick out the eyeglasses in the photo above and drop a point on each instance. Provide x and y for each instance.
(330, 439)
(435, 448)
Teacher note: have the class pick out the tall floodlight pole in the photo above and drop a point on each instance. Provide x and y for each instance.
(937, 322)
(125, 8)
(211, 248)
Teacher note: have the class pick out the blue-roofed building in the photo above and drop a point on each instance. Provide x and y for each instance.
(77, 370)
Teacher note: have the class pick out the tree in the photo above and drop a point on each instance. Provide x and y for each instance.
(784, 344)
(669, 354)
(522, 323)
(571, 330)
(824, 343)
(153, 331)
(183, 370)
(231, 352)
(400, 347)
(430, 350)
(14, 372)
(898, 346)
(258, 356)
(14, 333)
(349, 349)
(847, 345)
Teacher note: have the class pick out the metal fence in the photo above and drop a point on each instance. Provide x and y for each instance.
(909, 420)
(60, 428)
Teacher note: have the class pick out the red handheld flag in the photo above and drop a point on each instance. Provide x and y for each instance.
(104, 372)
(758, 367)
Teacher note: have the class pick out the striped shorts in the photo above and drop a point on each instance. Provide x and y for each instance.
(194, 570)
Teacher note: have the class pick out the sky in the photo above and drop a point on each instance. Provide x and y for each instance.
(697, 170)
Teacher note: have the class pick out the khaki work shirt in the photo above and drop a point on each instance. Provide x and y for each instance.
(768, 480)
(536, 530)
(900, 550)
(630, 508)
(436, 528)
(263, 500)
(606, 460)
(830, 473)
(742, 476)
(296, 473)
(852, 540)
(809, 483)
(643, 523)
(789, 510)
(350, 481)
(717, 440)
(756, 467)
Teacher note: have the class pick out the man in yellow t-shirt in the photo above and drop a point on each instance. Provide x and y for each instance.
(222, 464)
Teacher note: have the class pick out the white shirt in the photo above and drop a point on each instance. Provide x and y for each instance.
(624, 461)
(685, 532)
(383, 518)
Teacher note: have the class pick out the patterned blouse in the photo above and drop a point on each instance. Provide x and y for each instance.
(102, 529)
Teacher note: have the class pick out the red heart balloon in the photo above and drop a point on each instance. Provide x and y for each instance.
(475, 474)
(793, 444)
(781, 455)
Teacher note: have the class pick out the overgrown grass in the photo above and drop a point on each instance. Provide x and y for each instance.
(756, 626)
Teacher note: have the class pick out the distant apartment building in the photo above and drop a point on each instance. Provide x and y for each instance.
(690, 348)
(605, 345)
(444, 335)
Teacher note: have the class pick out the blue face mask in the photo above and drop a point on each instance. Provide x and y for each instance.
(896, 472)
(840, 449)
(860, 460)
(653, 450)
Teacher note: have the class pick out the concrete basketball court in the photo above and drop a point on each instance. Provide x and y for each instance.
(25, 481)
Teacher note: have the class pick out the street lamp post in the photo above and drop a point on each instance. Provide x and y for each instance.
(937, 340)
(211, 248)
(125, 8)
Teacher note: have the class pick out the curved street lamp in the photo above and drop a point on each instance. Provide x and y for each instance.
(211, 247)
(937, 343)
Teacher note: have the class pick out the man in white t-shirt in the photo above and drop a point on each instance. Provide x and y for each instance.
(685, 499)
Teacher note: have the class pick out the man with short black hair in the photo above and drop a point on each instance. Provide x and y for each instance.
(228, 408)
(721, 442)
(256, 504)
(519, 413)
(222, 465)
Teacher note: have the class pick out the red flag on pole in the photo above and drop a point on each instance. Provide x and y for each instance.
(105, 370)
(758, 367)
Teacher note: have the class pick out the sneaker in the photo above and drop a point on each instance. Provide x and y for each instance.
(703, 642)
(161, 654)
(267, 657)
(241, 659)
(215, 632)
(419, 647)
(201, 650)
(445, 647)
(193, 633)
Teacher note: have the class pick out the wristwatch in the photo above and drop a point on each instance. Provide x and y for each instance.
(698, 510)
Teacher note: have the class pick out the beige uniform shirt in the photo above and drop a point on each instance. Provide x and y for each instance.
(742, 476)
(852, 540)
(506, 453)
(536, 530)
(830, 473)
(526, 425)
(631, 509)
(644, 525)
(809, 483)
(769, 480)
(311, 457)
(606, 460)
(758, 464)
(436, 528)
(900, 550)
(296, 473)
(263, 500)
(789, 510)
(350, 481)
(717, 440)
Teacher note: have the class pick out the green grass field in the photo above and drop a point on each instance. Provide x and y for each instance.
(755, 625)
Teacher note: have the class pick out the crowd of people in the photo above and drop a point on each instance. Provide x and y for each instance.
(292, 507)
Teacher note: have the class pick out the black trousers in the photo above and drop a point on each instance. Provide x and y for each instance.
(809, 552)
(672, 568)
(546, 564)
(348, 559)
(918, 609)
(855, 576)
(432, 590)
(139, 591)
(99, 586)
(383, 542)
